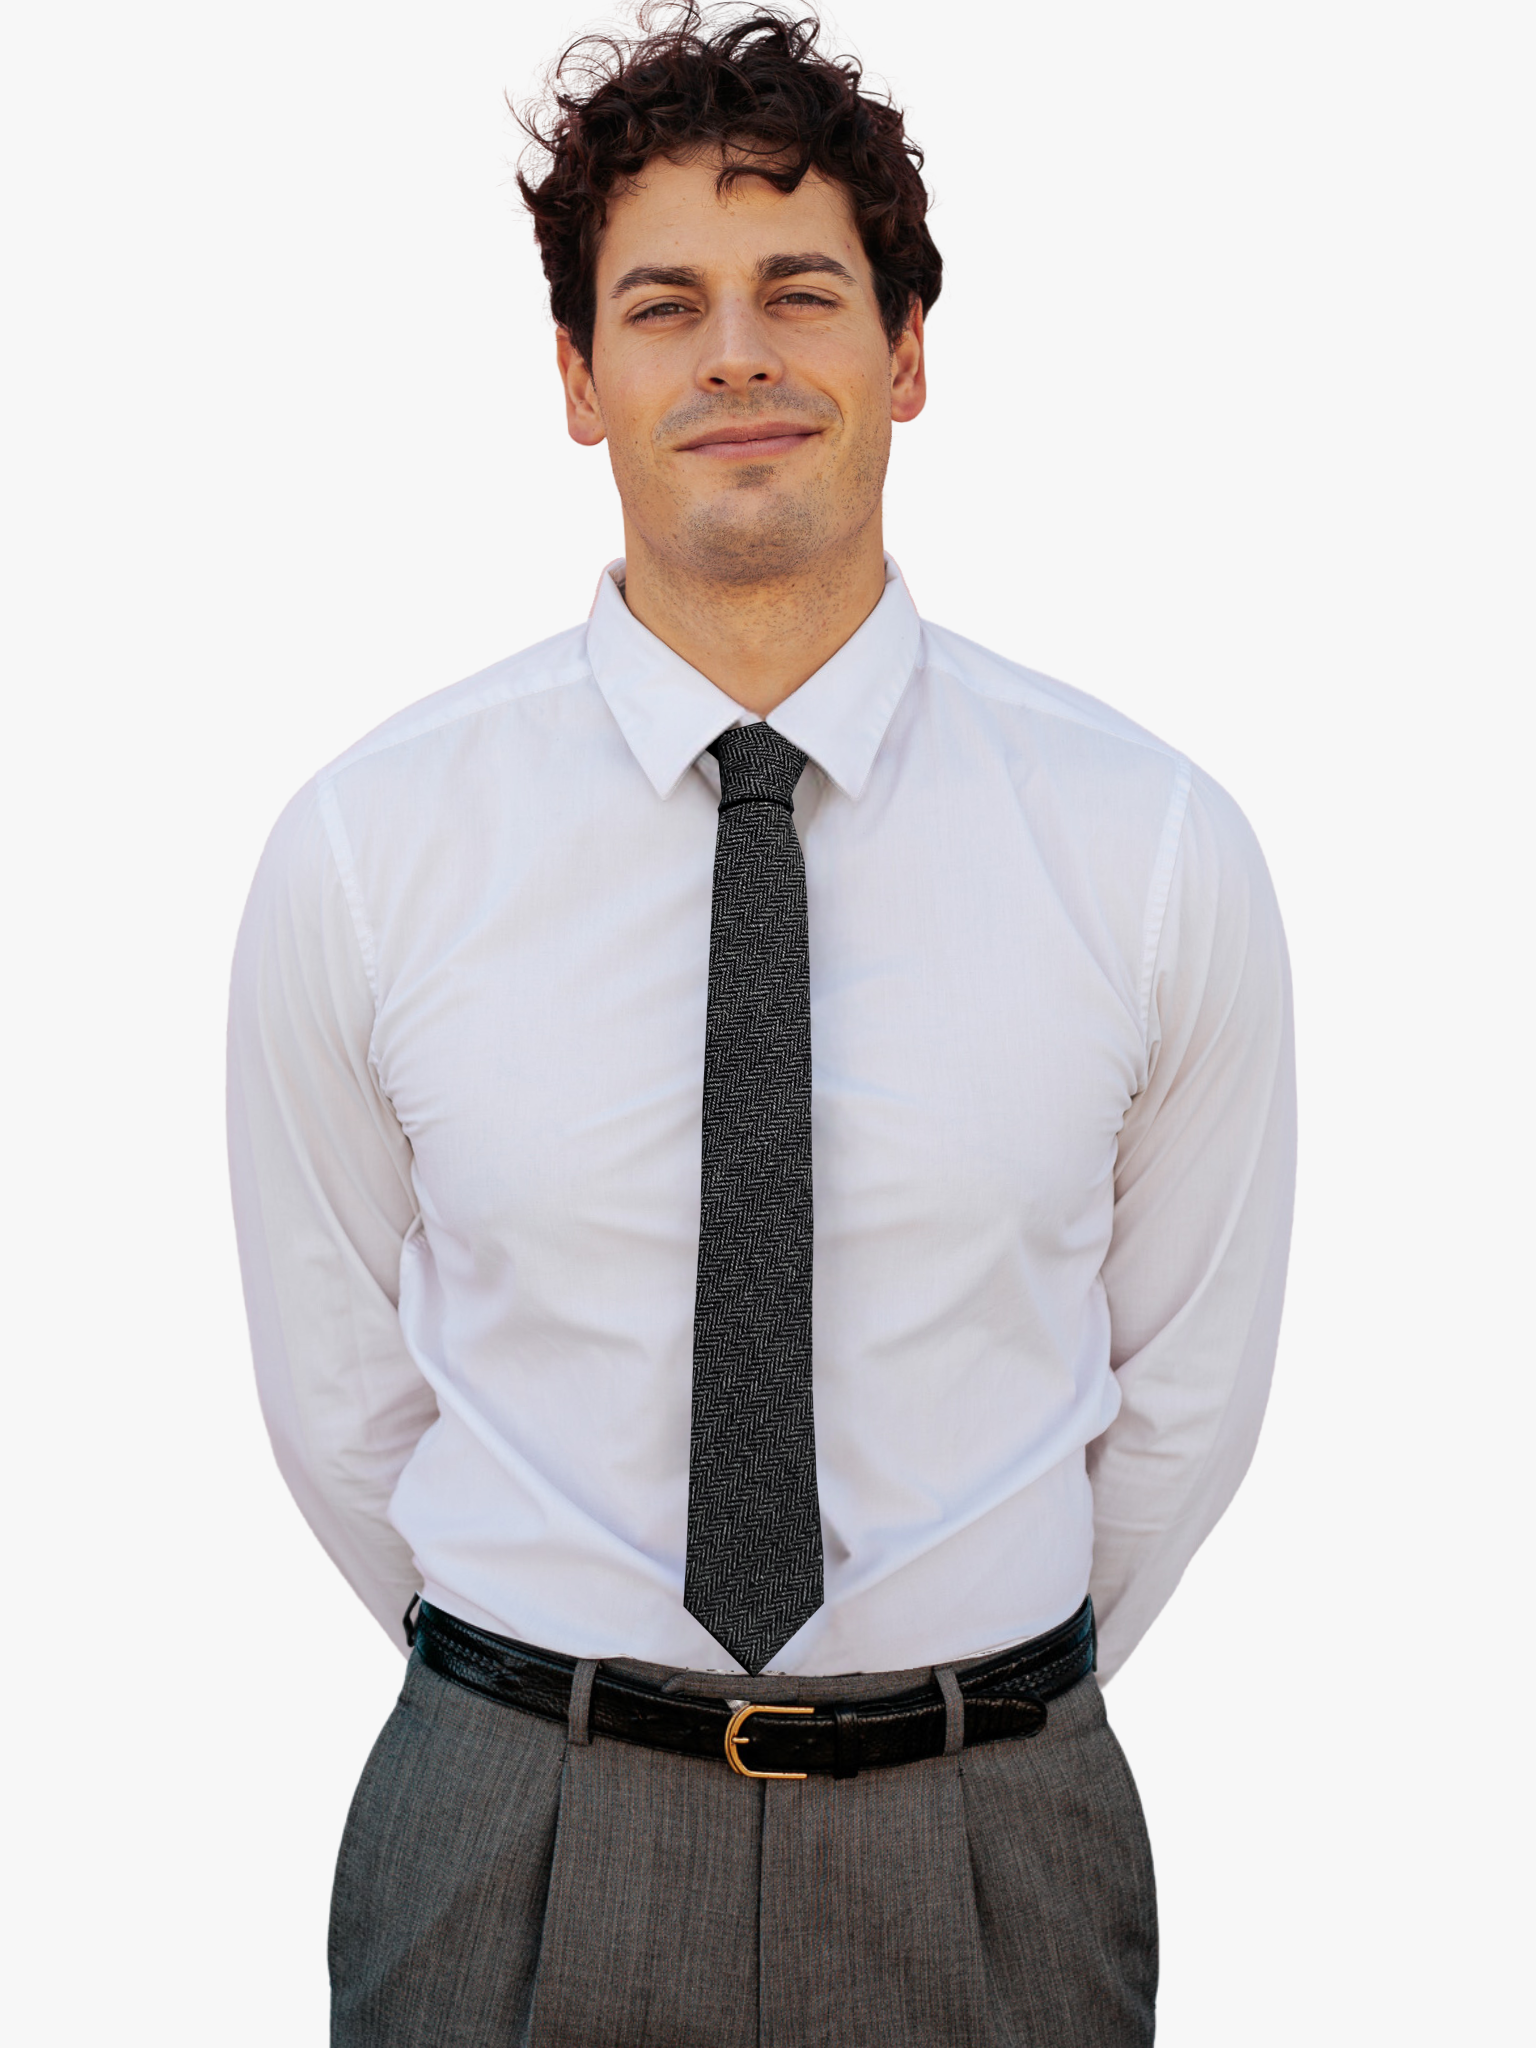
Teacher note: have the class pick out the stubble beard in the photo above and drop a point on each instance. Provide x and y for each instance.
(758, 532)
(753, 528)
(754, 533)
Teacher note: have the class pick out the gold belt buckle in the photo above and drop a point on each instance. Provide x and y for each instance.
(734, 1739)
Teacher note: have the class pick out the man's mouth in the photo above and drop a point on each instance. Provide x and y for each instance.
(753, 443)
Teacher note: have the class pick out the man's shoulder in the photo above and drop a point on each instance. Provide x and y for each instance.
(1049, 704)
(547, 667)
(1113, 793)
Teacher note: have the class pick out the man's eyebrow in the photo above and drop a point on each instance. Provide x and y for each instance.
(651, 273)
(770, 270)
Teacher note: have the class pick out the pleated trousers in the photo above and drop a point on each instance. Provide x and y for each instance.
(500, 1883)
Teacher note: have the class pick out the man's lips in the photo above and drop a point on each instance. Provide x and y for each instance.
(752, 442)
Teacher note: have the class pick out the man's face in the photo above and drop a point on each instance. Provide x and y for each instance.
(740, 371)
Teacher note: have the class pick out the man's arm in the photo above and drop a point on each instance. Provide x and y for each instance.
(321, 1174)
(1203, 1192)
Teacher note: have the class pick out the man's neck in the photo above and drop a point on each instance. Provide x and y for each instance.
(758, 642)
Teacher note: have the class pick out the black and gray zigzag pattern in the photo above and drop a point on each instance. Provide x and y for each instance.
(753, 1573)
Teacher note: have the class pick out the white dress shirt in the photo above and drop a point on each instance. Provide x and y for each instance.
(1053, 1128)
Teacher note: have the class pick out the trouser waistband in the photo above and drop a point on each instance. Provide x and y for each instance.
(995, 1699)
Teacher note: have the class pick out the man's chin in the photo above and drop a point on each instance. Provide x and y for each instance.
(732, 542)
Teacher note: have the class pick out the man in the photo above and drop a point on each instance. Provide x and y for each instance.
(762, 1144)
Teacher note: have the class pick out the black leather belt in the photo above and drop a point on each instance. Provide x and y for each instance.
(1002, 1697)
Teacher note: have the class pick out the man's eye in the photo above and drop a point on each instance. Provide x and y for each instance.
(657, 312)
(801, 299)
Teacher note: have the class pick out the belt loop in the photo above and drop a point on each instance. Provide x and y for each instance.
(954, 1708)
(846, 1744)
(410, 1620)
(577, 1730)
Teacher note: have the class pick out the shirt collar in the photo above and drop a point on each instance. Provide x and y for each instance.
(668, 712)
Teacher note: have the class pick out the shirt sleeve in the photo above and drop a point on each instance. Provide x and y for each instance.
(1204, 1184)
(321, 1177)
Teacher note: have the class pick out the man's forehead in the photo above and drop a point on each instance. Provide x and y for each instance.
(675, 216)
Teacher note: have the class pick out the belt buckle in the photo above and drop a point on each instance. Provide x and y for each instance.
(734, 1738)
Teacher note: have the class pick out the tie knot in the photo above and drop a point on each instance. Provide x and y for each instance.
(757, 766)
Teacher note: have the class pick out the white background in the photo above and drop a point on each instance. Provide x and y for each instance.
(1232, 425)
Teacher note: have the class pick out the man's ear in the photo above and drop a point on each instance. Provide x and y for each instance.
(583, 415)
(909, 379)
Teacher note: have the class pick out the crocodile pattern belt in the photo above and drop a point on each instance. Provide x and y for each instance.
(1002, 1697)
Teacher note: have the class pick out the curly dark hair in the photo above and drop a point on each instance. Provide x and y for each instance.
(757, 88)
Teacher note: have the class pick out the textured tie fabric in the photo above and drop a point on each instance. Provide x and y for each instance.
(753, 1574)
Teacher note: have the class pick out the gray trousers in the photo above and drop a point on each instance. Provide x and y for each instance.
(501, 1883)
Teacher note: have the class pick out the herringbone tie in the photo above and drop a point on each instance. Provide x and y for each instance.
(753, 1572)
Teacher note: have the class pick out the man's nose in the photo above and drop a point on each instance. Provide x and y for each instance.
(738, 350)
